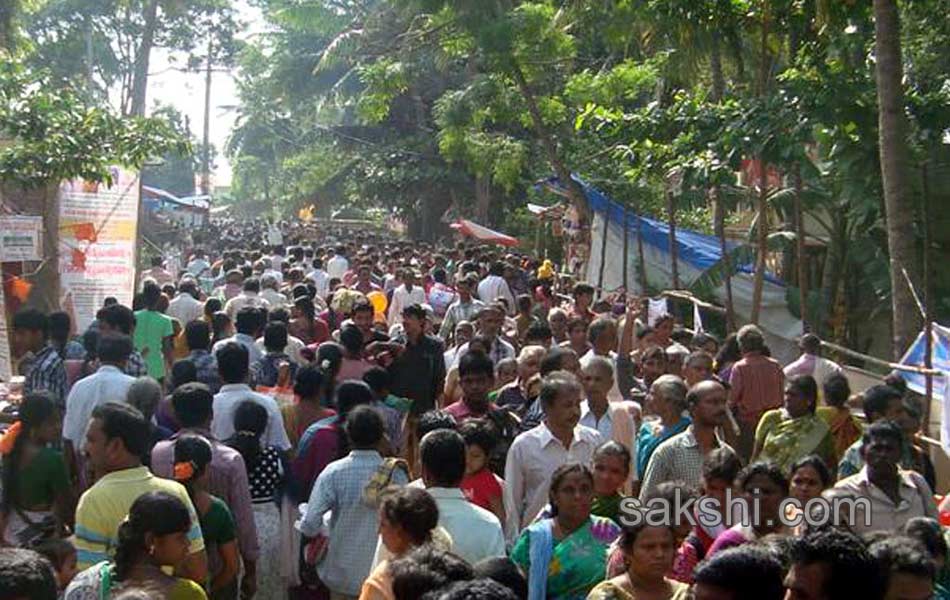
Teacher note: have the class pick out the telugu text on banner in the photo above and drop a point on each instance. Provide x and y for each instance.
(97, 229)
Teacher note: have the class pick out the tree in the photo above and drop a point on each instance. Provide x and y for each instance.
(902, 247)
(176, 171)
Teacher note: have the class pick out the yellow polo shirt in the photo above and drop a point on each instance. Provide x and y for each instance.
(106, 504)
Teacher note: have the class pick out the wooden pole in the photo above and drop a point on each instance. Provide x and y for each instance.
(800, 249)
(674, 251)
(928, 301)
(603, 249)
(641, 260)
(880, 362)
(626, 246)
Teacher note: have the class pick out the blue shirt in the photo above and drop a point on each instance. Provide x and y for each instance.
(353, 523)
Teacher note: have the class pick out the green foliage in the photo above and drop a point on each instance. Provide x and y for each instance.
(53, 135)
(176, 171)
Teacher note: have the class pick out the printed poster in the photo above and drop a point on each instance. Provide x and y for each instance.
(6, 364)
(21, 239)
(97, 234)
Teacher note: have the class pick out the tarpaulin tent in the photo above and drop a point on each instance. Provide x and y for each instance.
(696, 254)
(940, 360)
(482, 233)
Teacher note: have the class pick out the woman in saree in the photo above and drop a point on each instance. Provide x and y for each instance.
(37, 498)
(610, 469)
(786, 434)
(154, 536)
(565, 556)
(845, 429)
(648, 552)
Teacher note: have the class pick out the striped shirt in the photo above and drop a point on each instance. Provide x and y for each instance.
(47, 373)
(106, 504)
(757, 385)
(353, 523)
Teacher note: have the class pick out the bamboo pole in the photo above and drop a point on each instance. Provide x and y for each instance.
(626, 249)
(881, 362)
(603, 248)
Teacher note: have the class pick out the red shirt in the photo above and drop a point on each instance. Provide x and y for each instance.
(463, 412)
(481, 488)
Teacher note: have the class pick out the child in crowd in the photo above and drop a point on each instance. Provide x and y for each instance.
(62, 555)
(506, 371)
(480, 485)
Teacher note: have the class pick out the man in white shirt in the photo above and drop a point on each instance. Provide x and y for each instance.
(490, 321)
(320, 279)
(536, 453)
(249, 324)
(476, 533)
(610, 419)
(811, 362)
(494, 287)
(405, 295)
(198, 265)
(892, 495)
(249, 297)
(337, 265)
(270, 294)
(233, 366)
(108, 384)
(185, 306)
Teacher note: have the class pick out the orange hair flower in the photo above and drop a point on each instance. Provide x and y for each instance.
(183, 471)
(9, 438)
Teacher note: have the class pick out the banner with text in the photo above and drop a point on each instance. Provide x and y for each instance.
(97, 229)
(21, 238)
(6, 364)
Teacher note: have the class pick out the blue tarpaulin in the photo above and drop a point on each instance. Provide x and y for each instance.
(698, 250)
(940, 359)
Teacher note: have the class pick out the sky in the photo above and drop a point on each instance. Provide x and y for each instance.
(185, 91)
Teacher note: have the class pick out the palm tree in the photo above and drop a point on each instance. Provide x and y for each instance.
(898, 206)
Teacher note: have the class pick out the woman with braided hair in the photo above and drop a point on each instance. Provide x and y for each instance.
(154, 535)
(265, 473)
(191, 469)
(37, 497)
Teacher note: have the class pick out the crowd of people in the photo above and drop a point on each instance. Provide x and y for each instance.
(294, 412)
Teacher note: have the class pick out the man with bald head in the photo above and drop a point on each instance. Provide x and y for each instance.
(681, 457)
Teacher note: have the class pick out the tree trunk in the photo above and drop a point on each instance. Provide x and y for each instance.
(8, 10)
(142, 55)
(574, 192)
(762, 229)
(206, 134)
(482, 198)
(715, 67)
(719, 223)
(800, 249)
(894, 171)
